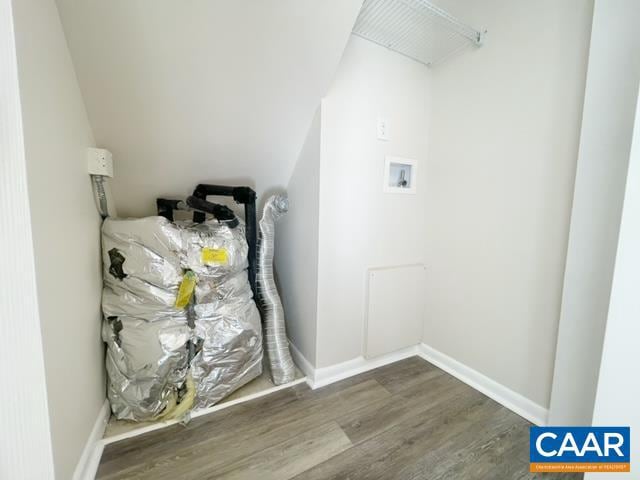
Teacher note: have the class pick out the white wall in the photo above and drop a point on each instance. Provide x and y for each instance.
(65, 226)
(500, 169)
(25, 438)
(607, 125)
(296, 255)
(360, 226)
(618, 392)
(213, 91)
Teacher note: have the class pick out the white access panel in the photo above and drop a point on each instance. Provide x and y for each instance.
(395, 308)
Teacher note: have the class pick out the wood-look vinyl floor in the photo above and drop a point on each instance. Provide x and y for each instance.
(407, 420)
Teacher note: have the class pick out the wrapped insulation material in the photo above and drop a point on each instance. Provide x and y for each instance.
(214, 249)
(147, 249)
(230, 348)
(179, 313)
(142, 269)
(147, 364)
(136, 298)
(227, 329)
(146, 335)
(213, 289)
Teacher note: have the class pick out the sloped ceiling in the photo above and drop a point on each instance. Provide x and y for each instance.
(183, 92)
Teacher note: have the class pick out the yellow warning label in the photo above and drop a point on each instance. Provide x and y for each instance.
(185, 291)
(214, 256)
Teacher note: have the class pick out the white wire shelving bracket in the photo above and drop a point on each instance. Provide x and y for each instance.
(416, 29)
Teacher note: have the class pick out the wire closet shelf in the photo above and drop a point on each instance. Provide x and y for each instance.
(416, 29)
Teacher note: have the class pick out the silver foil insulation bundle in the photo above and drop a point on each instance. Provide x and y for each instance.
(180, 323)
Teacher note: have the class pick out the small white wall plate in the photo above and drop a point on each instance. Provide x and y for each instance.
(99, 162)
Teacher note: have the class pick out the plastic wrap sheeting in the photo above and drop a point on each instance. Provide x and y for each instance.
(227, 328)
(213, 249)
(142, 267)
(146, 363)
(138, 299)
(150, 248)
(147, 335)
(214, 289)
(230, 352)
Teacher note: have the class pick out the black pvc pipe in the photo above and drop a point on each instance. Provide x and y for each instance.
(221, 213)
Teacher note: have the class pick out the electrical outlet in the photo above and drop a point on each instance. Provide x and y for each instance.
(383, 129)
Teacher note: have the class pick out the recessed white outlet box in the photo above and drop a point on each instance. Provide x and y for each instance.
(99, 162)
(400, 175)
(383, 129)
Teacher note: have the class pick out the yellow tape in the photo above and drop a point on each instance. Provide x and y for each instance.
(186, 289)
(214, 256)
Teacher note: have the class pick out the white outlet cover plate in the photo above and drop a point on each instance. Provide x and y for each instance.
(383, 129)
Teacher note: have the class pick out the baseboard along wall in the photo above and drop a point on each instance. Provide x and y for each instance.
(90, 459)
(517, 403)
(320, 377)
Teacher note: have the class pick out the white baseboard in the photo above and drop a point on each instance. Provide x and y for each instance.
(506, 397)
(90, 458)
(320, 377)
(327, 375)
(520, 405)
(199, 412)
(302, 363)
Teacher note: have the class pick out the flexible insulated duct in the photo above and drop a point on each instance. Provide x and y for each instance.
(282, 368)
